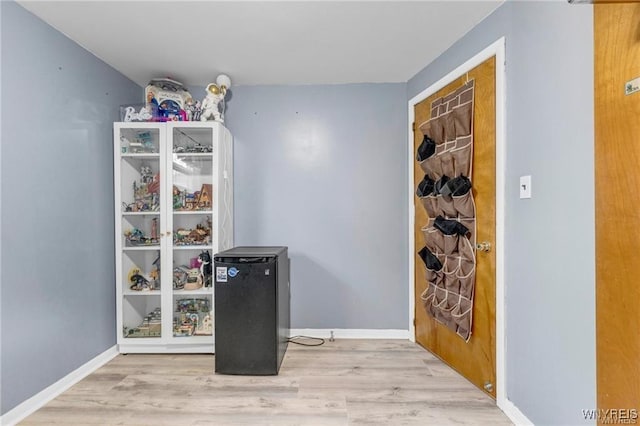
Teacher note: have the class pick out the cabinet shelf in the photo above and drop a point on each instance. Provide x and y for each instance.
(192, 154)
(158, 181)
(188, 212)
(194, 339)
(199, 292)
(144, 340)
(193, 247)
(141, 293)
(149, 213)
(141, 155)
(142, 248)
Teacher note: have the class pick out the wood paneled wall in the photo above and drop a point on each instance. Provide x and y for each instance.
(617, 173)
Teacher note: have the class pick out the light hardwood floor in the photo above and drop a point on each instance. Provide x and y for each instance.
(385, 382)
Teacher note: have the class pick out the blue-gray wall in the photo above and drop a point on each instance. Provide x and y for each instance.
(550, 239)
(322, 169)
(58, 297)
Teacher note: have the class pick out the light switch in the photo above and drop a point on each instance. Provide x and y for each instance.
(525, 186)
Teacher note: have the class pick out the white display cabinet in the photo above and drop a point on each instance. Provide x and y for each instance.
(174, 211)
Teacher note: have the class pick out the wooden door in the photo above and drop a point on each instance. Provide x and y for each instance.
(474, 359)
(617, 185)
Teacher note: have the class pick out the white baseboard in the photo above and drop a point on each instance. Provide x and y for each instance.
(28, 407)
(514, 413)
(350, 333)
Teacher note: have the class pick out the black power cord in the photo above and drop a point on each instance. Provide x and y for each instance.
(318, 340)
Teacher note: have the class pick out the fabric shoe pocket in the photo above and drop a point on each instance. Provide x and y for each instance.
(464, 205)
(462, 160)
(451, 283)
(427, 297)
(445, 205)
(435, 130)
(461, 315)
(430, 204)
(449, 127)
(462, 119)
(450, 243)
(432, 166)
(433, 239)
(446, 163)
(467, 253)
(466, 278)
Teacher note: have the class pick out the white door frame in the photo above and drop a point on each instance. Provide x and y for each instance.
(496, 49)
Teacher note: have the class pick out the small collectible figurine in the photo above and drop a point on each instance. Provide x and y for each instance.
(154, 228)
(192, 109)
(138, 281)
(205, 268)
(210, 103)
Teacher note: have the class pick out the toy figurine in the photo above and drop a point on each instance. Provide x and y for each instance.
(205, 268)
(192, 109)
(138, 282)
(180, 277)
(154, 228)
(210, 103)
(154, 275)
(194, 280)
(135, 237)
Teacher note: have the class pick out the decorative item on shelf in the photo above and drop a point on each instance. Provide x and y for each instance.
(146, 192)
(205, 328)
(193, 305)
(141, 144)
(135, 237)
(138, 112)
(167, 99)
(150, 327)
(194, 280)
(206, 269)
(189, 278)
(192, 317)
(139, 282)
(193, 201)
(195, 262)
(216, 93)
(196, 148)
(193, 110)
(198, 236)
(180, 274)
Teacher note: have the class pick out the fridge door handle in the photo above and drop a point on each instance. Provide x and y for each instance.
(244, 259)
(253, 260)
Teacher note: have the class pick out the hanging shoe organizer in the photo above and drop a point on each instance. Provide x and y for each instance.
(445, 155)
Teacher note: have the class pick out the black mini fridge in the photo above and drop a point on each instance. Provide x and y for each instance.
(251, 310)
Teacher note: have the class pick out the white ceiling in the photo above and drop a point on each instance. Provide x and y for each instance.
(268, 42)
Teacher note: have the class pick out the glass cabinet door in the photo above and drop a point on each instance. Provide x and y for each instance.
(138, 217)
(192, 197)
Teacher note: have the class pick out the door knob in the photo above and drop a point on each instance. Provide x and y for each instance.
(484, 246)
